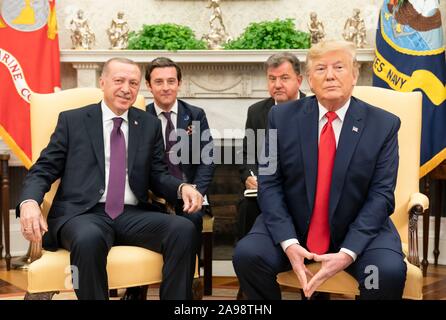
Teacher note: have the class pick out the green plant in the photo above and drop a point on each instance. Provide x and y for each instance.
(167, 36)
(277, 34)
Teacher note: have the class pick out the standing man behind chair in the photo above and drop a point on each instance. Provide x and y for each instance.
(284, 80)
(108, 155)
(328, 191)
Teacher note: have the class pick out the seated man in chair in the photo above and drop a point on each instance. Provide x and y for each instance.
(328, 190)
(108, 155)
(182, 124)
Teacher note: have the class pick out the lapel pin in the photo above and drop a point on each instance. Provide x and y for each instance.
(186, 117)
(136, 123)
(355, 129)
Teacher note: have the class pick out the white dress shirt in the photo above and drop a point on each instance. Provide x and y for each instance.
(337, 127)
(107, 123)
(173, 116)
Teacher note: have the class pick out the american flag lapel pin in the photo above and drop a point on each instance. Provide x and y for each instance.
(355, 129)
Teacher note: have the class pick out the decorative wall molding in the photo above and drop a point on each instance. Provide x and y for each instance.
(191, 56)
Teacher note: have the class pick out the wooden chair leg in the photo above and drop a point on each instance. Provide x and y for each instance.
(5, 206)
(144, 290)
(113, 293)
(197, 289)
(207, 263)
(424, 262)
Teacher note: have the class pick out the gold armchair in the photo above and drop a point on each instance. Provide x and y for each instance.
(409, 203)
(50, 272)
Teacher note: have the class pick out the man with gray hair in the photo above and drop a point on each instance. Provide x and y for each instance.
(284, 80)
(333, 191)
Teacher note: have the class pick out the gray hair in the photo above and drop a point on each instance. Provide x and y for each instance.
(121, 60)
(278, 59)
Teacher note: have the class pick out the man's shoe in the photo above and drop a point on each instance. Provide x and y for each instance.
(241, 295)
(135, 293)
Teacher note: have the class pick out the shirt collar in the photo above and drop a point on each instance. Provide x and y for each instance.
(107, 114)
(340, 112)
(174, 109)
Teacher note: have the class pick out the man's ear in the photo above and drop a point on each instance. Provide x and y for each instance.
(101, 83)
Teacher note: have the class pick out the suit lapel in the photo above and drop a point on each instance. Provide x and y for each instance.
(308, 131)
(351, 132)
(93, 123)
(150, 108)
(184, 118)
(134, 134)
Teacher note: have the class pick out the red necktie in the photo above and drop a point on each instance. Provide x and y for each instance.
(318, 240)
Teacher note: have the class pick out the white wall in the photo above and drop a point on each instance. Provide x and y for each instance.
(237, 14)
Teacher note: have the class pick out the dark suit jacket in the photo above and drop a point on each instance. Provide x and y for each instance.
(257, 119)
(363, 182)
(196, 172)
(75, 154)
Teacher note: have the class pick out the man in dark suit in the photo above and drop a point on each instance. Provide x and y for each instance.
(284, 80)
(183, 125)
(328, 191)
(108, 155)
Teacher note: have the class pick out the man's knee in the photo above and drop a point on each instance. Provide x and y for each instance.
(89, 241)
(245, 257)
(183, 230)
(386, 280)
(196, 219)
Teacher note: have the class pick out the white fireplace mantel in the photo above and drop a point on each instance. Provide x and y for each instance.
(191, 56)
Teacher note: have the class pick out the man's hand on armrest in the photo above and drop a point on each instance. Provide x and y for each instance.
(33, 225)
(193, 200)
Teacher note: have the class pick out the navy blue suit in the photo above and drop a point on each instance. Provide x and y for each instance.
(201, 173)
(361, 197)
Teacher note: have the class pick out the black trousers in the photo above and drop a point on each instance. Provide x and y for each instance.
(90, 236)
(197, 219)
(257, 261)
(248, 211)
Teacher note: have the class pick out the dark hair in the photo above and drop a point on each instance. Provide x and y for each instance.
(121, 60)
(277, 59)
(162, 62)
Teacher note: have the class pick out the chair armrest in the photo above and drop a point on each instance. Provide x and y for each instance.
(161, 203)
(208, 223)
(418, 199)
(418, 204)
(35, 249)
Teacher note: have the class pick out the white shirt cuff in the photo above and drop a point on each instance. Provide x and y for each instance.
(27, 200)
(350, 253)
(285, 244)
